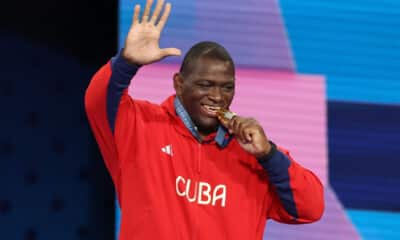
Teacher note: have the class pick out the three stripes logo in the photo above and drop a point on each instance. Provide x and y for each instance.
(168, 150)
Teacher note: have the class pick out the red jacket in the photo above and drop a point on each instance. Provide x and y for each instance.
(170, 186)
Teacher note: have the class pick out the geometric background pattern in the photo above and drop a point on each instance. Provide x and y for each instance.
(354, 45)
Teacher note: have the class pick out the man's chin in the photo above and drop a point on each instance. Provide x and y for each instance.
(208, 127)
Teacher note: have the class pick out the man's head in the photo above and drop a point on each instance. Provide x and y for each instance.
(206, 82)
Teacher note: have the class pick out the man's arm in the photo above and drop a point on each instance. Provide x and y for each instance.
(102, 102)
(106, 98)
(297, 194)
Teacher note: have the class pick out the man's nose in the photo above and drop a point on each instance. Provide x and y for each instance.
(215, 94)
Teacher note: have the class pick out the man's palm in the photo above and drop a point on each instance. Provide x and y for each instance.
(142, 42)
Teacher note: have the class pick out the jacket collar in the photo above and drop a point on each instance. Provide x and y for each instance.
(185, 125)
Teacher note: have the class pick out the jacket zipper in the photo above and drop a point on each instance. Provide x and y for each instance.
(197, 179)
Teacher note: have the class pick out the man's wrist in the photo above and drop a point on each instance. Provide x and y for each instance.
(121, 59)
(124, 69)
(127, 59)
(269, 154)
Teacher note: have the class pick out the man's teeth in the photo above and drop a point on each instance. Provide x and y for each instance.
(213, 109)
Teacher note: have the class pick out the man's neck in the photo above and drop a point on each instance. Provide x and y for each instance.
(204, 134)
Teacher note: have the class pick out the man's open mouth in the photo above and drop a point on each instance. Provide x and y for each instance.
(210, 110)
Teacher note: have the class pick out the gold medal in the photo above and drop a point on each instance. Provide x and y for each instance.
(225, 115)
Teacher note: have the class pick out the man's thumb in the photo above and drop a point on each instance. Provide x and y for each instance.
(170, 52)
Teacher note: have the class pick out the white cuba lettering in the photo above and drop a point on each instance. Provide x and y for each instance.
(179, 179)
(220, 196)
(201, 192)
(204, 190)
(190, 199)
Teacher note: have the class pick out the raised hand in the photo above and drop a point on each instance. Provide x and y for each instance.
(249, 134)
(142, 43)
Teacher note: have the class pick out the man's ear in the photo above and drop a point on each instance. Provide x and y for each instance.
(178, 83)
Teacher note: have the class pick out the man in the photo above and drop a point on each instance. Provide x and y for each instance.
(180, 171)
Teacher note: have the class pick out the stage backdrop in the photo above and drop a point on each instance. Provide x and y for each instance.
(346, 97)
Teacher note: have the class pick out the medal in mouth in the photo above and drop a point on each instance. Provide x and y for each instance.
(225, 115)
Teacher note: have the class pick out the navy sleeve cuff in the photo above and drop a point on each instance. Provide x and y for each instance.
(122, 70)
(122, 73)
(275, 162)
(271, 153)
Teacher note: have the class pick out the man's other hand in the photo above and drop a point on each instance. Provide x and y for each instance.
(249, 134)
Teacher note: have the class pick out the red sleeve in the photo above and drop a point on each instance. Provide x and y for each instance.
(96, 110)
(297, 193)
(105, 98)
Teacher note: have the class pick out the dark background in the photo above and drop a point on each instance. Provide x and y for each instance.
(53, 183)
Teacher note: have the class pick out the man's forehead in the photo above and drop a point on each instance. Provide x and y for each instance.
(206, 66)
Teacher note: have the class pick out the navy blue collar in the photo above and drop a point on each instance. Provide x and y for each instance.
(222, 138)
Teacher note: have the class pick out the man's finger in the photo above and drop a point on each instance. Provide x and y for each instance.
(170, 52)
(247, 133)
(136, 14)
(146, 12)
(229, 124)
(157, 11)
(164, 17)
(235, 125)
(244, 130)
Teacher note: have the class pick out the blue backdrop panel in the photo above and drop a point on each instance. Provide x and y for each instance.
(374, 225)
(364, 154)
(354, 43)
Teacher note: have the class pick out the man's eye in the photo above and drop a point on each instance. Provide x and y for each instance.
(228, 88)
(203, 85)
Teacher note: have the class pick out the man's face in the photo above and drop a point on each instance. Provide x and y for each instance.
(209, 86)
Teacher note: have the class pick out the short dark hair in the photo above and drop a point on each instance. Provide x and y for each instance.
(205, 49)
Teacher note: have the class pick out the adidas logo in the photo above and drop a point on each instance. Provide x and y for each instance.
(168, 150)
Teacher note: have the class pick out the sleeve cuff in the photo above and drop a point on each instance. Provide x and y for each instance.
(275, 162)
(124, 70)
(271, 153)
